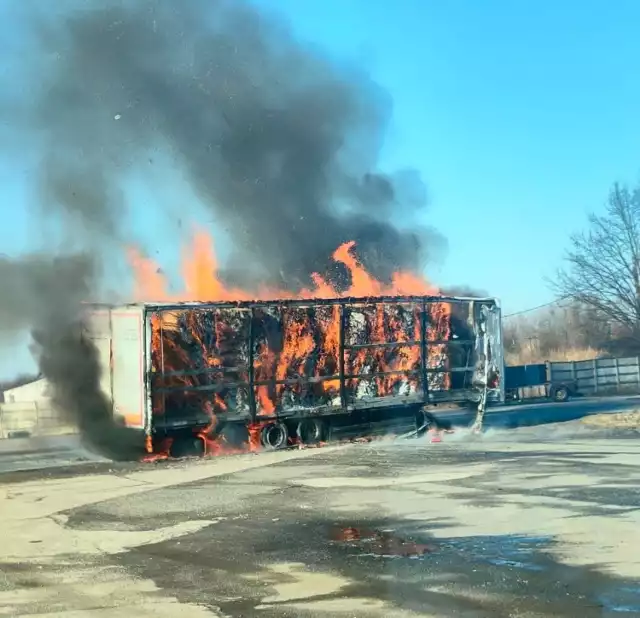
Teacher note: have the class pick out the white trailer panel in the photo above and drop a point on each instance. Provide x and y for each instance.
(99, 331)
(128, 365)
(119, 336)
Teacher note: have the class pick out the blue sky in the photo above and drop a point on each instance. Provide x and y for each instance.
(519, 115)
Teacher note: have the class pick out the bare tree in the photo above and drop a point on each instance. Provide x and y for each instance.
(603, 264)
(567, 332)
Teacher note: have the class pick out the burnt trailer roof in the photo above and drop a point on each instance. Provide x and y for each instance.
(301, 302)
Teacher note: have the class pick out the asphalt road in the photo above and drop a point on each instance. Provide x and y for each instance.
(514, 523)
(540, 413)
(43, 453)
(52, 452)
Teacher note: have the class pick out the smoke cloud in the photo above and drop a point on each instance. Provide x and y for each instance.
(279, 143)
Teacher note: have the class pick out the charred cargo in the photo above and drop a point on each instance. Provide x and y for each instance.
(304, 367)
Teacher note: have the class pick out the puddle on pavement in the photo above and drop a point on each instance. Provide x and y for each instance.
(509, 551)
(516, 553)
(381, 543)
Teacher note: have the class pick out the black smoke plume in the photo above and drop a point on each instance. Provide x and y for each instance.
(43, 294)
(279, 143)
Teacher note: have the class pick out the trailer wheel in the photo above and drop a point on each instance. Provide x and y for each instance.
(274, 436)
(310, 431)
(560, 393)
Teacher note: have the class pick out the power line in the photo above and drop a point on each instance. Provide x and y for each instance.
(623, 272)
(553, 302)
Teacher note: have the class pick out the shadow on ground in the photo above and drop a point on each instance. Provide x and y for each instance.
(397, 563)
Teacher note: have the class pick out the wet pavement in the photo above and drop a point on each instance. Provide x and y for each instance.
(532, 522)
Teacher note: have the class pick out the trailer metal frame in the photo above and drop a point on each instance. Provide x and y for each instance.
(484, 333)
(426, 396)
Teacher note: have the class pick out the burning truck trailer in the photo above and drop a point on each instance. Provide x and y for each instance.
(224, 377)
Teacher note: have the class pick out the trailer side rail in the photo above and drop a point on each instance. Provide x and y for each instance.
(234, 355)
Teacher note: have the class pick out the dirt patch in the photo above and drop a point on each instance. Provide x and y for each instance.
(621, 420)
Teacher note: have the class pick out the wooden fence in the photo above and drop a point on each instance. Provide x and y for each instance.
(600, 375)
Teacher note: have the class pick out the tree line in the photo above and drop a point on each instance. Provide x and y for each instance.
(598, 292)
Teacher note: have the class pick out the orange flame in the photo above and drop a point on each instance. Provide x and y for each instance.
(201, 281)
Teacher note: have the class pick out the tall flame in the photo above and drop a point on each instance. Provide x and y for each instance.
(202, 283)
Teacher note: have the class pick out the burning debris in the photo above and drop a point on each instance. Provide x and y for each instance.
(296, 354)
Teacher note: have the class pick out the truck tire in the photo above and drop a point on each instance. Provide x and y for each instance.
(310, 431)
(560, 393)
(274, 436)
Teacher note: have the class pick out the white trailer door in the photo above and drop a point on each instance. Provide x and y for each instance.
(128, 365)
(99, 331)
